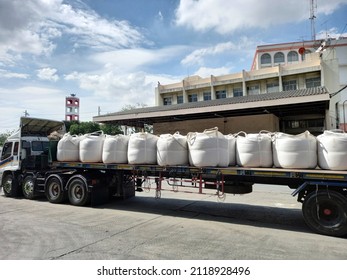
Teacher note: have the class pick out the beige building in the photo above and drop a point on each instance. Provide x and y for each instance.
(288, 88)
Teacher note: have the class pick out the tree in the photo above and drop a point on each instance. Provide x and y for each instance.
(76, 128)
(111, 129)
(4, 136)
(84, 128)
(143, 127)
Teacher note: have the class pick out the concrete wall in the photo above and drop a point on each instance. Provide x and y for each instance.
(249, 124)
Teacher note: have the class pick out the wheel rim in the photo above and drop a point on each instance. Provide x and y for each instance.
(326, 212)
(329, 214)
(78, 192)
(8, 185)
(28, 187)
(54, 190)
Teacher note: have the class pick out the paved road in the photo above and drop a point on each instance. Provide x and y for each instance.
(266, 224)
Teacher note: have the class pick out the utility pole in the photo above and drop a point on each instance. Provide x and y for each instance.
(26, 114)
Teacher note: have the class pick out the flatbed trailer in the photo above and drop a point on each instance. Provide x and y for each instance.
(28, 172)
(321, 192)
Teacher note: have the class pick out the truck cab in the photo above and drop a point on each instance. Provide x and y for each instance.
(28, 141)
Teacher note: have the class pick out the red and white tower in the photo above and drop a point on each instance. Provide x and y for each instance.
(72, 108)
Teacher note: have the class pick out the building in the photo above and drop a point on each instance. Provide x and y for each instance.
(291, 87)
(72, 106)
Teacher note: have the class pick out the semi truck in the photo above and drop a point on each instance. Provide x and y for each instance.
(29, 167)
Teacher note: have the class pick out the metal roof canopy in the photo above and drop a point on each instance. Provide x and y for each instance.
(282, 104)
(34, 126)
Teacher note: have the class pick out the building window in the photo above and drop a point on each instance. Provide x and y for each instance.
(279, 57)
(293, 56)
(237, 92)
(192, 97)
(207, 96)
(221, 94)
(253, 90)
(179, 99)
(313, 82)
(167, 100)
(272, 87)
(289, 85)
(265, 59)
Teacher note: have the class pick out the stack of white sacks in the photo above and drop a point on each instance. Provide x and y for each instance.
(210, 148)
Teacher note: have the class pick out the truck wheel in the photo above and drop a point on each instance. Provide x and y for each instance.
(78, 192)
(28, 187)
(54, 190)
(325, 212)
(10, 186)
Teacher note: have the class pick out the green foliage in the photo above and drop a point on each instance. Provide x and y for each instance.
(4, 136)
(111, 129)
(84, 128)
(132, 107)
(76, 128)
(68, 124)
(142, 127)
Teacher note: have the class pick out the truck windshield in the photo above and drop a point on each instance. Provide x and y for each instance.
(39, 146)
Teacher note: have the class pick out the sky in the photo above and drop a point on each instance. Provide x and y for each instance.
(113, 53)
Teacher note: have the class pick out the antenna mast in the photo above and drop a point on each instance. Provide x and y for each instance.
(313, 7)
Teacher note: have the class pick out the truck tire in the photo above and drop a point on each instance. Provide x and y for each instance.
(10, 186)
(78, 191)
(54, 190)
(28, 187)
(325, 212)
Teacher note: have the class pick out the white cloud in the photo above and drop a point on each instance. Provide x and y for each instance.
(332, 33)
(206, 72)
(119, 88)
(48, 74)
(9, 75)
(228, 16)
(197, 56)
(93, 31)
(243, 46)
(132, 59)
(40, 102)
(328, 7)
(31, 27)
(160, 16)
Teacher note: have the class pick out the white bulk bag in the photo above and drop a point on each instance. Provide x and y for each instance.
(232, 149)
(91, 147)
(209, 148)
(115, 149)
(332, 150)
(172, 149)
(68, 148)
(254, 149)
(295, 151)
(142, 148)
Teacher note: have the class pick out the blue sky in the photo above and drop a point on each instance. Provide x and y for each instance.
(112, 53)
